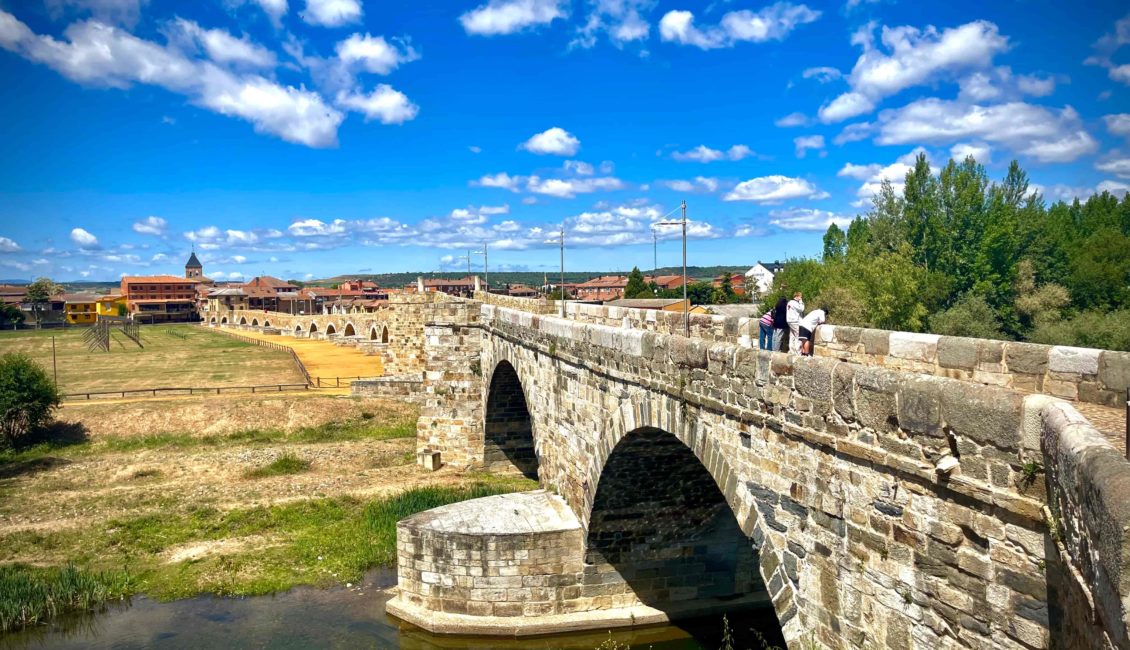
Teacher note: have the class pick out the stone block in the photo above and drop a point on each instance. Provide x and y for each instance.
(913, 347)
(957, 352)
(812, 377)
(1076, 361)
(429, 459)
(843, 383)
(920, 406)
(847, 336)
(1114, 371)
(987, 415)
(1026, 358)
(875, 342)
(875, 403)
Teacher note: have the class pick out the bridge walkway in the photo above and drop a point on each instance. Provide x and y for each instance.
(323, 358)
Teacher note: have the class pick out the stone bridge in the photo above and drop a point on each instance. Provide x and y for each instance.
(903, 491)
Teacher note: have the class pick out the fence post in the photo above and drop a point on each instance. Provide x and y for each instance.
(1128, 424)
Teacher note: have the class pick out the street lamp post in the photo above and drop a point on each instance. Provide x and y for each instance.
(686, 305)
(561, 286)
(486, 268)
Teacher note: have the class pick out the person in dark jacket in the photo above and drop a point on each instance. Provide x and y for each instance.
(780, 322)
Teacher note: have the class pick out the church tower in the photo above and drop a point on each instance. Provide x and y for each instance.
(193, 268)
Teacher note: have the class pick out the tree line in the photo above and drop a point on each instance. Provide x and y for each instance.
(959, 255)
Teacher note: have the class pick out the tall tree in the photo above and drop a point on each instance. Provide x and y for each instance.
(39, 293)
(835, 243)
(636, 287)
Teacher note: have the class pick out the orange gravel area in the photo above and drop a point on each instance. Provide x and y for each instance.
(324, 359)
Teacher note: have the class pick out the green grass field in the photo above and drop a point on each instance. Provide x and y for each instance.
(202, 358)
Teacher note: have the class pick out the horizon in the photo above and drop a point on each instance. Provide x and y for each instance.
(323, 139)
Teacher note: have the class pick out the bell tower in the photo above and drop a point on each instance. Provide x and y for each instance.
(193, 268)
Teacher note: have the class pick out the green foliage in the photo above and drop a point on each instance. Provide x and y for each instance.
(1107, 330)
(39, 293)
(11, 315)
(636, 287)
(724, 294)
(285, 464)
(32, 595)
(27, 397)
(970, 316)
(835, 244)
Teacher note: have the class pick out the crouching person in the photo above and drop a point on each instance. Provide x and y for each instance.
(808, 326)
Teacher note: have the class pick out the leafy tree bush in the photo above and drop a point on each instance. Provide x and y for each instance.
(27, 397)
(39, 293)
(636, 287)
(970, 316)
(11, 315)
(1090, 329)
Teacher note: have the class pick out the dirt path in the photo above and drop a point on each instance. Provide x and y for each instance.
(323, 358)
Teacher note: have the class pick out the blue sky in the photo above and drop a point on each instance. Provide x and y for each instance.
(309, 138)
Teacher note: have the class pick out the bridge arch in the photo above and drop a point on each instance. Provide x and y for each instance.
(313, 327)
(298, 328)
(266, 323)
(212, 320)
(349, 330)
(224, 320)
(508, 432)
(242, 320)
(331, 329)
(254, 322)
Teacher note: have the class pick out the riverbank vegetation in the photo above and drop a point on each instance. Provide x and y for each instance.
(953, 253)
(183, 510)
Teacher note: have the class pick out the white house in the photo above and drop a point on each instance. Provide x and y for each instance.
(760, 277)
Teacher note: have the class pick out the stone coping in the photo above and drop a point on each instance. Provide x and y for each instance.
(519, 627)
(519, 513)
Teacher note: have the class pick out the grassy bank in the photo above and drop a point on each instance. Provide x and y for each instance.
(32, 595)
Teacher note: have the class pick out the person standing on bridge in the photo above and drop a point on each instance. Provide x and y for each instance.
(765, 331)
(808, 325)
(780, 322)
(795, 313)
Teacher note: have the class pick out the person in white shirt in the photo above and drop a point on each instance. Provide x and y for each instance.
(808, 325)
(794, 312)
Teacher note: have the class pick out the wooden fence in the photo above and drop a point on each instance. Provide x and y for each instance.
(273, 346)
(191, 390)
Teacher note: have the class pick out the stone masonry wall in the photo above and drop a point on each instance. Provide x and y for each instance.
(408, 388)
(826, 466)
(451, 418)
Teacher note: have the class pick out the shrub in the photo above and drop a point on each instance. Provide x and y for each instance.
(27, 397)
(285, 464)
(1106, 330)
(970, 316)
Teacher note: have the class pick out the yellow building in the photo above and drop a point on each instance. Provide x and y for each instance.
(112, 305)
(78, 309)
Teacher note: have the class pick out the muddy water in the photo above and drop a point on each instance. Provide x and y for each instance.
(338, 618)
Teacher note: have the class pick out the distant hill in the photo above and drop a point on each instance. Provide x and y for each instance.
(529, 278)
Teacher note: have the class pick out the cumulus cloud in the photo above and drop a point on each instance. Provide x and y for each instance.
(567, 188)
(913, 57)
(980, 151)
(500, 180)
(98, 54)
(1106, 47)
(774, 189)
(555, 141)
(705, 154)
(375, 54)
(385, 103)
(1116, 163)
(697, 184)
(9, 245)
(806, 142)
(823, 74)
(579, 168)
(808, 219)
(222, 47)
(1118, 124)
(792, 119)
(212, 238)
(773, 23)
(499, 17)
(1000, 84)
(619, 19)
(1041, 133)
(151, 226)
(874, 174)
(83, 238)
(332, 13)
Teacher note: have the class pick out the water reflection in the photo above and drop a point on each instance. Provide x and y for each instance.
(331, 618)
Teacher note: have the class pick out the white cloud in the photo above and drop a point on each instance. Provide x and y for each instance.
(151, 226)
(222, 47)
(806, 219)
(999, 84)
(479, 215)
(1115, 163)
(774, 22)
(83, 238)
(374, 53)
(1110, 43)
(579, 168)
(100, 55)
(316, 228)
(332, 13)
(806, 142)
(499, 17)
(619, 19)
(823, 74)
(979, 150)
(792, 119)
(385, 103)
(567, 188)
(1036, 131)
(555, 141)
(275, 9)
(705, 154)
(9, 246)
(874, 174)
(1118, 124)
(500, 180)
(159, 257)
(773, 189)
(698, 184)
(212, 238)
(915, 57)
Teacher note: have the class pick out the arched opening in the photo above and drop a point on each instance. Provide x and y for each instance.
(373, 333)
(508, 431)
(254, 322)
(224, 320)
(266, 323)
(313, 328)
(660, 529)
(242, 320)
(384, 335)
(213, 320)
(298, 328)
(349, 331)
(330, 329)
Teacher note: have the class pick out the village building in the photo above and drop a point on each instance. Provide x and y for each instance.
(759, 278)
(160, 298)
(80, 308)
